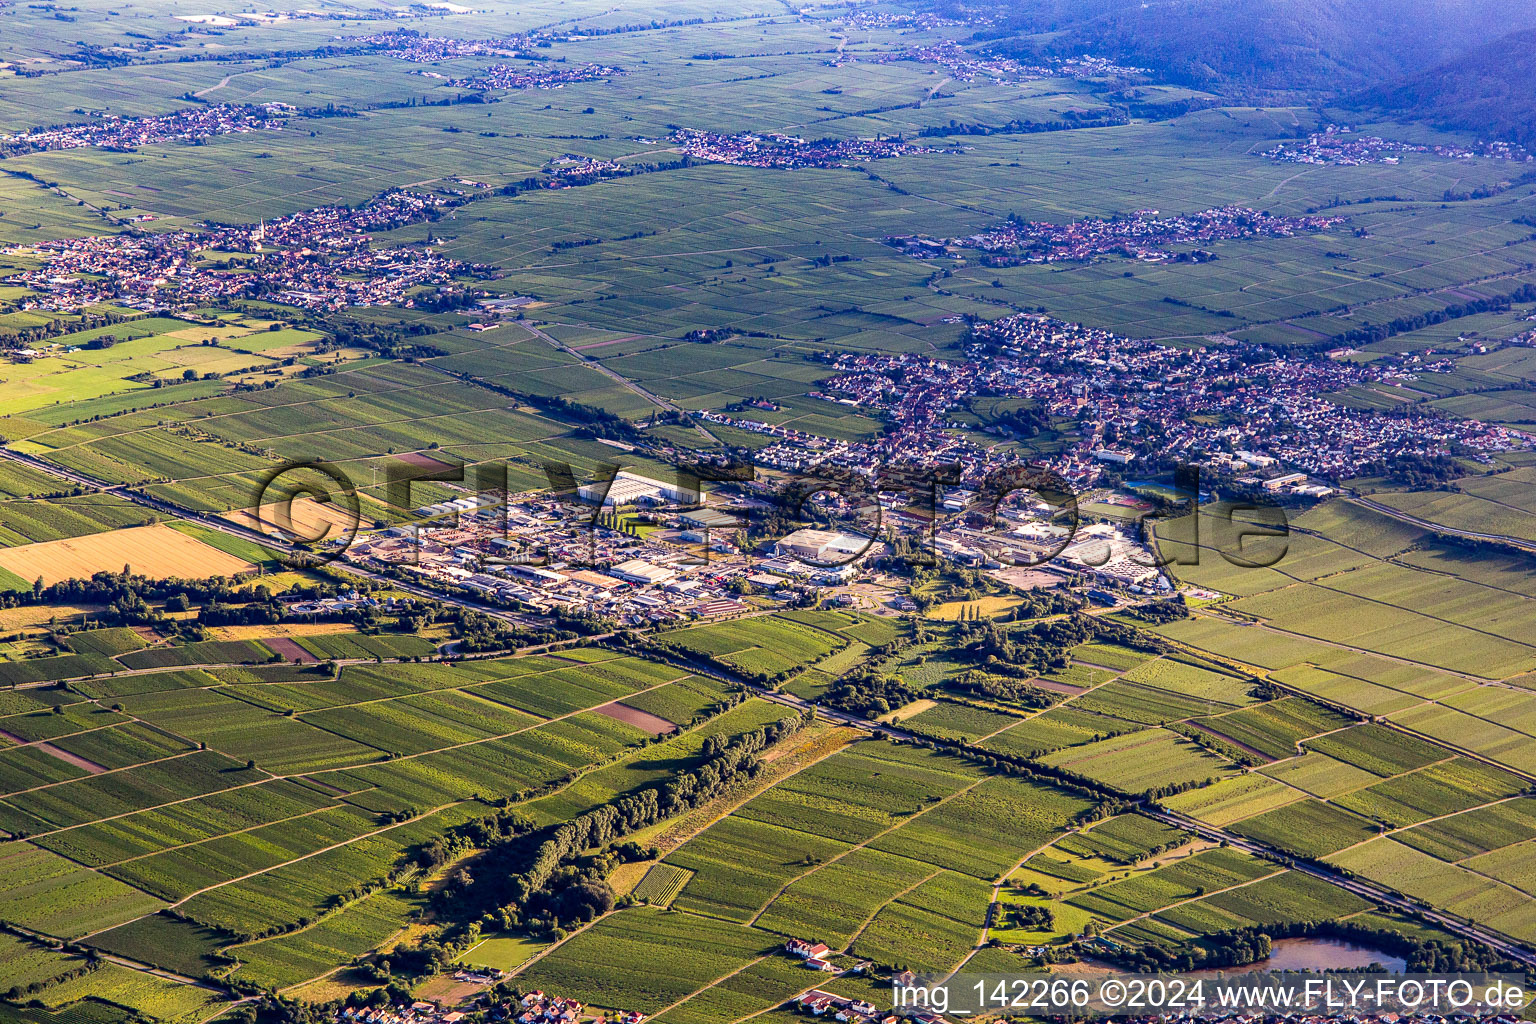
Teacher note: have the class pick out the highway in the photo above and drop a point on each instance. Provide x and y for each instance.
(1428, 524)
(1363, 889)
(1360, 887)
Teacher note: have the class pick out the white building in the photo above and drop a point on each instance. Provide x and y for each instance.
(642, 572)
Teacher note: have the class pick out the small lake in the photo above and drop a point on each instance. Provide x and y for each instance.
(1317, 954)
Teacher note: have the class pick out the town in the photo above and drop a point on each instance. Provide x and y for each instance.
(318, 259)
(1131, 399)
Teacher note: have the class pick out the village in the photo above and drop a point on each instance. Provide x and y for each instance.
(536, 76)
(965, 66)
(1340, 145)
(496, 1005)
(785, 152)
(418, 47)
(539, 1007)
(1143, 235)
(1133, 403)
(126, 133)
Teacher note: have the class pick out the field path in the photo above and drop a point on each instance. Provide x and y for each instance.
(1440, 817)
(1002, 880)
(616, 377)
(1193, 899)
(221, 83)
(720, 980)
(1214, 733)
(541, 954)
(864, 924)
(735, 801)
(878, 835)
(1068, 699)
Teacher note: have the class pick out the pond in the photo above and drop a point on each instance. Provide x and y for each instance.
(1317, 954)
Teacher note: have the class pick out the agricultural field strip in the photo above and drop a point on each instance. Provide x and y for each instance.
(1439, 702)
(1408, 204)
(541, 954)
(1267, 627)
(720, 980)
(209, 839)
(367, 835)
(1442, 817)
(1002, 880)
(1318, 583)
(863, 925)
(1026, 716)
(125, 672)
(1454, 751)
(319, 921)
(883, 832)
(1430, 739)
(114, 771)
(313, 853)
(369, 425)
(53, 739)
(1205, 723)
(1205, 726)
(1296, 691)
(1355, 307)
(1226, 616)
(735, 804)
(1406, 730)
(296, 775)
(1191, 899)
(750, 794)
(244, 411)
(631, 385)
(144, 968)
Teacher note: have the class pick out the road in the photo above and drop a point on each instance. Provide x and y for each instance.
(1361, 888)
(219, 523)
(139, 965)
(1429, 524)
(1364, 889)
(616, 377)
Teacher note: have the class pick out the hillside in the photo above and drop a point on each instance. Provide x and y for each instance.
(1486, 90)
(1328, 47)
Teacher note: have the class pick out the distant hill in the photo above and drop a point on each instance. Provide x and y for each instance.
(1490, 90)
(1323, 47)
